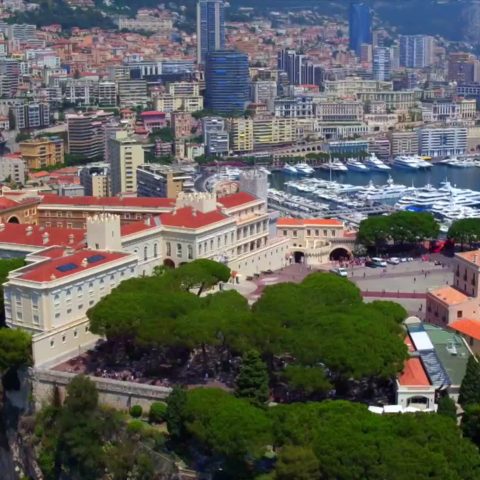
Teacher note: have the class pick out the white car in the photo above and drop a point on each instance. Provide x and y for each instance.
(393, 261)
(340, 271)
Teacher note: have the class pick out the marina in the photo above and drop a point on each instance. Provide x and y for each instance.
(447, 191)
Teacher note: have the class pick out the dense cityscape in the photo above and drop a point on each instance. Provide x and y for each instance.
(240, 241)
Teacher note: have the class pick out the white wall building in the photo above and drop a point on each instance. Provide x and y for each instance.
(443, 142)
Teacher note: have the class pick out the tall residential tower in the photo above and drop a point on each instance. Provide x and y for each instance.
(210, 27)
(360, 26)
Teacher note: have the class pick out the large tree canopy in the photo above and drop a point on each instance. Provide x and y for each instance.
(399, 227)
(466, 230)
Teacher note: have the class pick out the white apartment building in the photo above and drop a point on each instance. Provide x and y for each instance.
(443, 142)
(326, 111)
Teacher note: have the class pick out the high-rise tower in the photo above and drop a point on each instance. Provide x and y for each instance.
(210, 27)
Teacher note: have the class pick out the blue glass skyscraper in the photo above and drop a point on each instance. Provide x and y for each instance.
(360, 25)
(210, 27)
(227, 82)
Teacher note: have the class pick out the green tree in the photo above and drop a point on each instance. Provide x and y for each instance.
(374, 231)
(15, 349)
(470, 387)
(297, 463)
(391, 309)
(307, 380)
(471, 422)
(465, 231)
(252, 380)
(175, 414)
(447, 407)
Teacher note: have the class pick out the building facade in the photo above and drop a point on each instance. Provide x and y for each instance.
(210, 28)
(42, 152)
(360, 26)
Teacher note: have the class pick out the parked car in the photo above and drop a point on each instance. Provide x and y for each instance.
(379, 262)
(393, 261)
(340, 271)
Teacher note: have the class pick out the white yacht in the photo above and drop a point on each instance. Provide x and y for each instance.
(375, 164)
(423, 163)
(389, 191)
(336, 166)
(460, 163)
(406, 161)
(304, 169)
(424, 197)
(356, 165)
(290, 169)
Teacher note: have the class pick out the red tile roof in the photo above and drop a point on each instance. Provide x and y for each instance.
(467, 327)
(413, 373)
(153, 113)
(236, 199)
(45, 271)
(449, 295)
(132, 202)
(7, 203)
(32, 235)
(135, 227)
(188, 218)
(302, 222)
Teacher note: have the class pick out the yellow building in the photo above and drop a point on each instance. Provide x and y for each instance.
(241, 134)
(273, 131)
(169, 103)
(42, 152)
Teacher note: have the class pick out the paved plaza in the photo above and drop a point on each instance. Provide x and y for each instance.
(406, 283)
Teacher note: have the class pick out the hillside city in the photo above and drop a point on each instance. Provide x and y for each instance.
(239, 241)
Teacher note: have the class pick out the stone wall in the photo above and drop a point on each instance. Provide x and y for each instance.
(114, 393)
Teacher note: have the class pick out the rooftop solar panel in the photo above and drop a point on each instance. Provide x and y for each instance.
(67, 267)
(95, 258)
(435, 370)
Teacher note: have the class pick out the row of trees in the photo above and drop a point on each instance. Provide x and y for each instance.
(332, 440)
(311, 335)
(400, 227)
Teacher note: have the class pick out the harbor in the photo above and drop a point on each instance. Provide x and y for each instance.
(449, 189)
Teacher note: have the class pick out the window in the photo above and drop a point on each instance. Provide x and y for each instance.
(57, 315)
(91, 302)
(190, 252)
(460, 314)
(36, 320)
(333, 233)
(169, 249)
(145, 253)
(155, 250)
(284, 233)
(64, 338)
(294, 233)
(179, 249)
(69, 310)
(52, 343)
(80, 306)
(19, 316)
(325, 233)
(75, 333)
(86, 328)
(317, 233)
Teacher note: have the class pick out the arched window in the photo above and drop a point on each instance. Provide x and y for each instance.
(190, 252)
(145, 252)
(155, 250)
(169, 249)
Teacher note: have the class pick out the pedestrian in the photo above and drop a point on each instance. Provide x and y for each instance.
(414, 279)
(364, 273)
(425, 274)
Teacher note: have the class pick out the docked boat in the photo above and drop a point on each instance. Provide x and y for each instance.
(336, 166)
(290, 169)
(406, 161)
(356, 165)
(390, 191)
(424, 197)
(460, 163)
(304, 169)
(375, 164)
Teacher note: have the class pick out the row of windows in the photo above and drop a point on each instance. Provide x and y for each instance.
(179, 250)
(64, 337)
(309, 233)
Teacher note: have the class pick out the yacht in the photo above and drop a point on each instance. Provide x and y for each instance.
(290, 169)
(356, 165)
(375, 164)
(405, 161)
(336, 166)
(460, 163)
(424, 197)
(422, 163)
(304, 168)
(389, 191)
(264, 170)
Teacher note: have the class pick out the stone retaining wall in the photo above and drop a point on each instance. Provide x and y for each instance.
(114, 393)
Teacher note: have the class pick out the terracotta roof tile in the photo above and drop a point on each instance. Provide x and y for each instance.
(145, 202)
(236, 199)
(69, 265)
(33, 235)
(449, 295)
(303, 222)
(413, 373)
(188, 218)
(467, 327)
(471, 256)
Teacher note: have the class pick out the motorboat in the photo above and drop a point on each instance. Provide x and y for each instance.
(304, 169)
(375, 164)
(422, 163)
(290, 169)
(406, 161)
(424, 197)
(264, 170)
(335, 165)
(356, 165)
(460, 163)
(389, 191)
